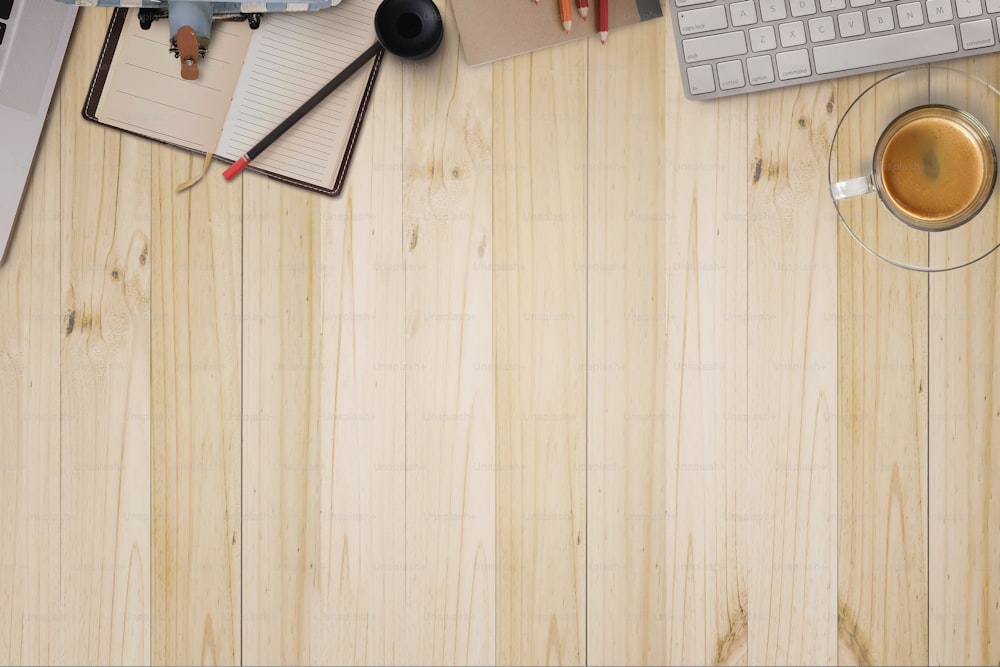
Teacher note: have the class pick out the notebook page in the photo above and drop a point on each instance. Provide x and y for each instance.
(145, 93)
(291, 56)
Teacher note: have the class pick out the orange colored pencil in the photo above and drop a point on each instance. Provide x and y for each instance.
(602, 19)
(566, 14)
(583, 5)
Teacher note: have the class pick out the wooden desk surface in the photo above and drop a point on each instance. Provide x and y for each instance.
(576, 370)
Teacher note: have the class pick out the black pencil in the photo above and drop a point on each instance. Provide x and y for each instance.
(299, 113)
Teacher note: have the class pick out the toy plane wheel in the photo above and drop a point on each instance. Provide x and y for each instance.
(253, 19)
(146, 18)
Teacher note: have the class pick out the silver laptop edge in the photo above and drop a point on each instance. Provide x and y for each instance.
(34, 48)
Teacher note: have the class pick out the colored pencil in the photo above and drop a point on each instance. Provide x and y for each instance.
(602, 19)
(583, 6)
(566, 14)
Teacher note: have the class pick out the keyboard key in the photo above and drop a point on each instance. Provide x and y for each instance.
(910, 14)
(821, 29)
(762, 39)
(700, 80)
(993, 6)
(5, 7)
(968, 8)
(977, 34)
(832, 5)
(745, 13)
(689, 3)
(803, 7)
(3, 29)
(862, 3)
(772, 10)
(851, 24)
(939, 10)
(885, 49)
(793, 64)
(725, 45)
(760, 70)
(705, 19)
(792, 34)
(730, 75)
(880, 19)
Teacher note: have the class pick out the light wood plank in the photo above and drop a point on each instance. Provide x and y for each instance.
(882, 417)
(363, 566)
(196, 428)
(323, 384)
(792, 380)
(627, 496)
(539, 269)
(705, 350)
(964, 425)
(105, 378)
(282, 475)
(451, 597)
(32, 617)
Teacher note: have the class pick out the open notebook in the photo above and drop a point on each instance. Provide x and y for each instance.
(249, 82)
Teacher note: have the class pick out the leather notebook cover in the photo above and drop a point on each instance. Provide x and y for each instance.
(119, 27)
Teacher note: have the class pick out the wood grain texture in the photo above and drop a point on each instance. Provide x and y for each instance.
(792, 380)
(105, 381)
(881, 420)
(323, 384)
(539, 269)
(32, 617)
(963, 424)
(575, 371)
(196, 265)
(282, 477)
(631, 527)
(706, 218)
(964, 615)
(447, 150)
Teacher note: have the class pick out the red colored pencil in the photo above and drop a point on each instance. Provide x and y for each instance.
(566, 15)
(602, 19)
(582, 5)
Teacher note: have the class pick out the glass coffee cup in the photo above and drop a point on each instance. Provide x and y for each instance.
(934, 167)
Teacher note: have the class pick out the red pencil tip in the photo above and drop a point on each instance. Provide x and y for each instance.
(236, 168)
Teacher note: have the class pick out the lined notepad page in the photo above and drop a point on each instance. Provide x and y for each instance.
(291, 57)
(146, 94)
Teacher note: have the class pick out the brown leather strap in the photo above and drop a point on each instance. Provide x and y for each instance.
(187, 50)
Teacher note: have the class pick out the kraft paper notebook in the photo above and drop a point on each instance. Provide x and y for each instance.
(250, 80)
(493, 30)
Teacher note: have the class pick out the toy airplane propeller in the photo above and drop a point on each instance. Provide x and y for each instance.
(191, 20)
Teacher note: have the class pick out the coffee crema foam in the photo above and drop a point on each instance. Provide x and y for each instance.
(936, 167)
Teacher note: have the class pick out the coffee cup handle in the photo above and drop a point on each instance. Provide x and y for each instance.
(853, 187)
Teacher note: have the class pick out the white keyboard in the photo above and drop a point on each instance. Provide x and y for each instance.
(729, 47)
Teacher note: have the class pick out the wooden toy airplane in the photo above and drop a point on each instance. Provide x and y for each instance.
(191, 20)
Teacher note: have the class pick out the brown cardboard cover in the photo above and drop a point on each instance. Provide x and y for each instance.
(494, 29)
